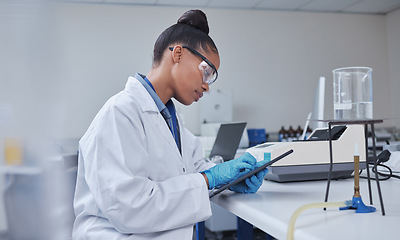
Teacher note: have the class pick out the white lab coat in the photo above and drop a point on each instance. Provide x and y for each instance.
(132, 181)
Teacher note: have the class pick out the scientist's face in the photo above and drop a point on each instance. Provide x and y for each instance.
(191, 75)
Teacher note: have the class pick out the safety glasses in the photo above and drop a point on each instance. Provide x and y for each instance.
(209, 71)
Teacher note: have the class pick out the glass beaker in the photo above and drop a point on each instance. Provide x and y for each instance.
(352, 93)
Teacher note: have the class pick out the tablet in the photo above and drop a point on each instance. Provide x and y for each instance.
(249, 174)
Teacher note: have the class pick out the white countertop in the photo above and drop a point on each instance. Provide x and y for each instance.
(272, 206)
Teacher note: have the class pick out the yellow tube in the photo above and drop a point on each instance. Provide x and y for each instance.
(290, 231)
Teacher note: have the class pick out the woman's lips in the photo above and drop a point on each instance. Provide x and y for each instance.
(199, 95)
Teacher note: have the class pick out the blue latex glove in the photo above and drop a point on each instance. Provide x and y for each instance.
(226, 172)
(253, 183)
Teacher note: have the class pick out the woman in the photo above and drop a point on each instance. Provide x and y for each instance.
(141, 174)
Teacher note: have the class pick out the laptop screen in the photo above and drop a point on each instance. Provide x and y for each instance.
(227, 140)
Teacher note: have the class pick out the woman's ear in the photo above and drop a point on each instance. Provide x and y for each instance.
(177, 53)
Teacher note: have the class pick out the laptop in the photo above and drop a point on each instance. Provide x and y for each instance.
(227, 140)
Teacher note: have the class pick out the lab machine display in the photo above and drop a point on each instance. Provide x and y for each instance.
(310, 160)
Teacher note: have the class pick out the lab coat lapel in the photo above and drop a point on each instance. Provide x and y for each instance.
(150, 107)
(166, 133)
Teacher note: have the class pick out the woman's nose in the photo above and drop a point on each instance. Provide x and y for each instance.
(205, 87)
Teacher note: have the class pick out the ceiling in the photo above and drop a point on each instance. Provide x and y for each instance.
(335, 6)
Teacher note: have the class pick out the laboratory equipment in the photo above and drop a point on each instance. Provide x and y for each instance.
(364, 122)
(357, 202)
(352, 93)
(318, 110)
(310, 160)
(295, 215)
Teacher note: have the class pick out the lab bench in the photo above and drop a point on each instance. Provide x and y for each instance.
(272, 206)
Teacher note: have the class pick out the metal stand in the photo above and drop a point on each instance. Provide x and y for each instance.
(365, 123)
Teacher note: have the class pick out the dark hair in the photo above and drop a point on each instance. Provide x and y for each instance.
(191, 30)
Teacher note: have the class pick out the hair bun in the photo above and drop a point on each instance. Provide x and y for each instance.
(195, 18)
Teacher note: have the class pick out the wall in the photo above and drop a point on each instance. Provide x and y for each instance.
(393, 30)
(270, 60)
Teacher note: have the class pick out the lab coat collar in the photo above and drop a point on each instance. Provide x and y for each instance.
(148, 105)
(150, 89)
